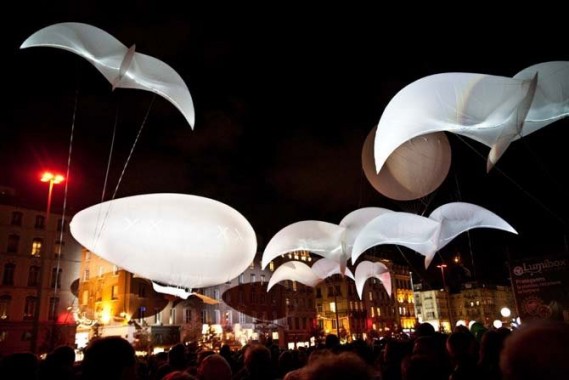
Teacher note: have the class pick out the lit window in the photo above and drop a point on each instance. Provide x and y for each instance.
(272, 266)
(262, 279)
(333, 307)
(253, 277)
(115, 292)
(4, 306)
(36, 246)
(187, 315)
(86, 275)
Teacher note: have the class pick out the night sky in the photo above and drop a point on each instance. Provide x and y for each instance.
(284, 100)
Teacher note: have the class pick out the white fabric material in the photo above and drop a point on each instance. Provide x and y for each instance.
(492, 110)
(175, 239)
(426, 235)
(121, 66)
(368, 269)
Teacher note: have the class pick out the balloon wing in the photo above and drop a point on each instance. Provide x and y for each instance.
(458, 217)
(492, 110)
(551, 100)
(295, 271)
(121, 66)
(402, 228)
(368, 269)
(355, 221)
(324, 268)
(321, 238)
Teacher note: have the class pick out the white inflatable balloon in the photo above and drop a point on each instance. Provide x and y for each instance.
(179, 240)
(368, 269)
(492, 110)
(426, 235)
(121, 66)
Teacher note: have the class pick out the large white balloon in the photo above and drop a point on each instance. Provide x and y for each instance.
(179, 240)
(121, 66)
(415, 169)
(492, 110)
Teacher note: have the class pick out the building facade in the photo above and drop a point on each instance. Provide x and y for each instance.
(39, 264)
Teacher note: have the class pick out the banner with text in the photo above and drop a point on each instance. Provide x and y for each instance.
(541, 287)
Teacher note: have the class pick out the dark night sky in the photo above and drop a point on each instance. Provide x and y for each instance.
(284, 100)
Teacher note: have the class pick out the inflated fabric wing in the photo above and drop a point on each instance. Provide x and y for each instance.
(121, 66)
(368, 269)
(401, 228)
(321, 238)
(295, 271)
(325, 268)
(458, 217)
(477, 106)
(354, 222)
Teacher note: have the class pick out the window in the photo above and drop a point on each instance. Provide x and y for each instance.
(53, 306)
(16, 218)
(86, 275)
(158, 318)
(8, 276)
(241, 278)
(36, 246)
(85, 297)
(253, 277)
(216, 294)
(272, 266)
(30, 307)
(172, 318)
(241, 318)
(262, 279)
(115, 270)
(13, 243)
(217, 315)
(61, 225)
(34, 275)
(58, 247)
(101, 271)
(40, 222)
(187, 315)
(333, 307)
(114, 292)
(55, 278)
(4, 306)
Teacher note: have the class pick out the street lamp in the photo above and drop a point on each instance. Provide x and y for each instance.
(51, 179)
(447, 294)
(442, 268)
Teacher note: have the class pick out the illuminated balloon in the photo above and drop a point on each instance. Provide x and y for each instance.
(426, 235)
(415, 169)
(179, 240)
(331, 241)
(121, 66)
(492, 110)
(321, 238)
(368, 269)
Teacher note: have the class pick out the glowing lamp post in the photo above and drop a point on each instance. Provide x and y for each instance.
(447, 293)
(51, 179)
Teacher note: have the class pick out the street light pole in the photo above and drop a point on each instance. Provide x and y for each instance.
(51, 179)
(447, 294)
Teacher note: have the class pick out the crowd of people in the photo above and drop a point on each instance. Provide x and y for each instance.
(536, 350)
